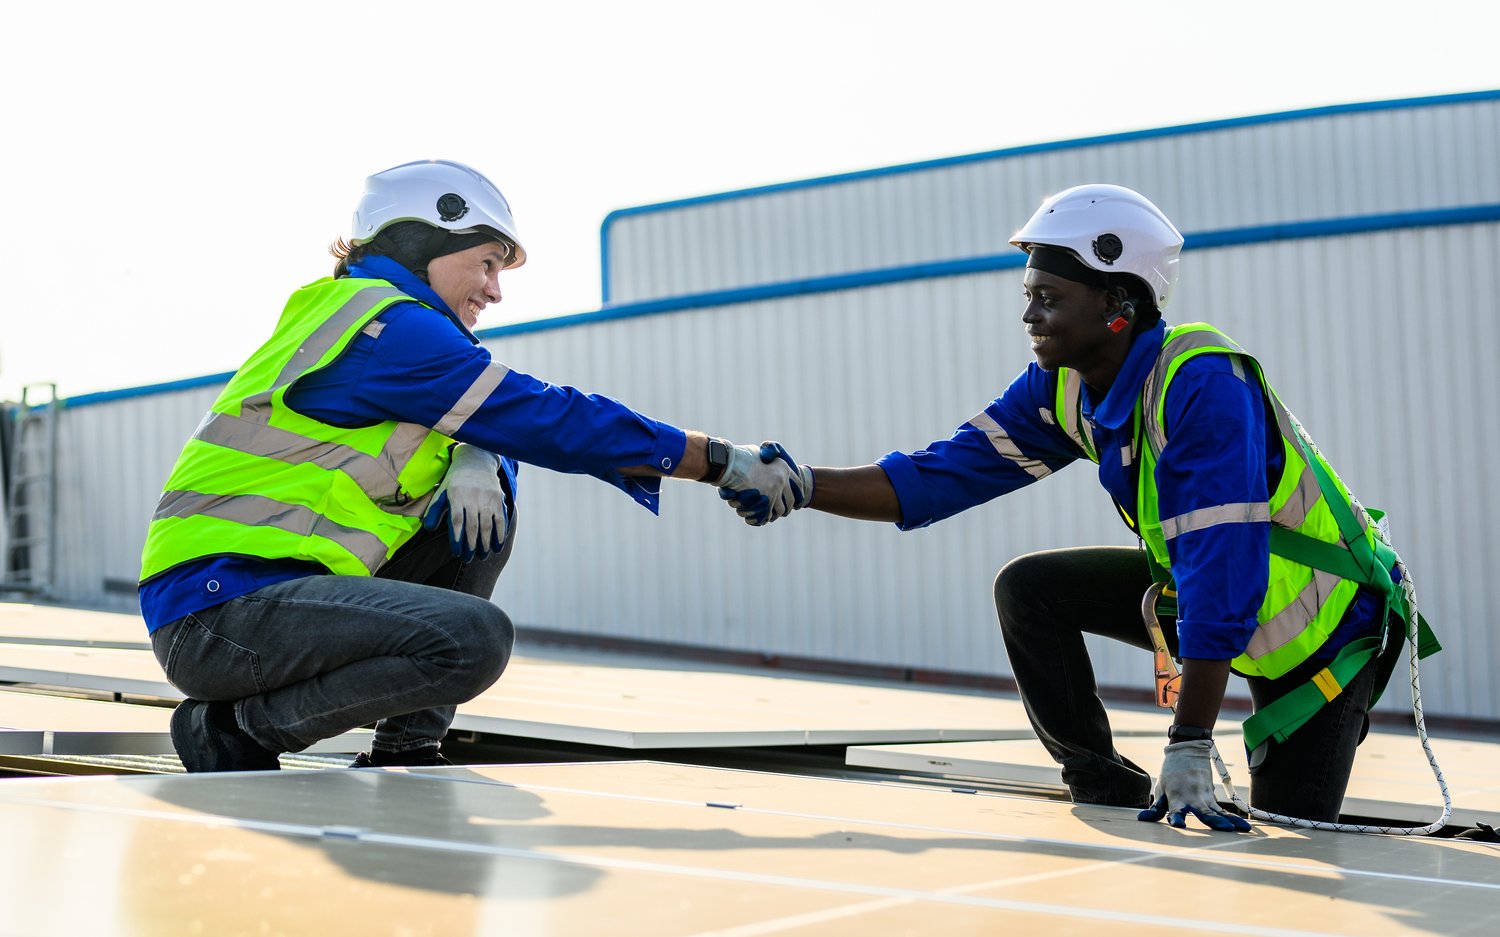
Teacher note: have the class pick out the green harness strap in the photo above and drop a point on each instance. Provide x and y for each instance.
(1365, 565)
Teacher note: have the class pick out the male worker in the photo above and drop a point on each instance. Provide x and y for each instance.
(1202, 460)
(325, 548)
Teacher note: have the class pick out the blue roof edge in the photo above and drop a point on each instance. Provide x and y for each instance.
(1027, 149)
(1256, 234)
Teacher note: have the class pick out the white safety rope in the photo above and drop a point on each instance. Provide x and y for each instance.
(1410, 589)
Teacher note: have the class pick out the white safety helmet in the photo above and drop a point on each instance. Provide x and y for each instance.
(438, 192)
(1111, 229)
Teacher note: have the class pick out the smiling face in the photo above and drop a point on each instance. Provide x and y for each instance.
(1066, 322)
(469, 280)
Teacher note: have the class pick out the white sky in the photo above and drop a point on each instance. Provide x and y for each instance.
(175, 169)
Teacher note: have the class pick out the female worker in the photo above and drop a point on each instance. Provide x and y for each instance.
(323, 553)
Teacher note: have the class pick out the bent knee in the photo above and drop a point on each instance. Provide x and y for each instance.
(489, 637)
(1015, 579)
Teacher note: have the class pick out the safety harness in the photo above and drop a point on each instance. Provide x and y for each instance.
(1363, 557)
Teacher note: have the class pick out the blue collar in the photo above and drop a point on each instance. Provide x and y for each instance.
(1119, 403)
(379, 267)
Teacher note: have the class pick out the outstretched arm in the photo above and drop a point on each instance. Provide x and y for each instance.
(692, 465)
(863, 492)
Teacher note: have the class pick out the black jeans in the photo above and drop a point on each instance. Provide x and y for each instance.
(312, 658)
(1047, 601)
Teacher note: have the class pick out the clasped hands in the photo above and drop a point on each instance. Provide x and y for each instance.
(764, 484)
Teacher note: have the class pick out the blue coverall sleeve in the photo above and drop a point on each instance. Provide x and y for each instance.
(1212, 490)
(420, 369)
(1006, 446)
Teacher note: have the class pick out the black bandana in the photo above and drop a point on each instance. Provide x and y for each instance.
(1065, 264)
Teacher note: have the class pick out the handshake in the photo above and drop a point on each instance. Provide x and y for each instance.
(763, 485)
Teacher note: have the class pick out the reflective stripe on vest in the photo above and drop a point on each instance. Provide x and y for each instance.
(259, 479)
(256, 511)
(1069, 412)
(1303, 605)
(373, 474)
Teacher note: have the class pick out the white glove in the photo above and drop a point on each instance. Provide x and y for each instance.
(765, 484)
(471, 496)
(1186, 785)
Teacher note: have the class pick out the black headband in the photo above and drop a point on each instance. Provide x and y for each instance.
(415, 244)
(1065, 264)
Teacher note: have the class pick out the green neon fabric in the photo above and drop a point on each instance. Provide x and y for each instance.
(1295, 554)
(306, 511)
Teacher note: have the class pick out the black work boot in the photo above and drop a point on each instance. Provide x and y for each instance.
(208, 739)
(425, 757)
(1480, 832)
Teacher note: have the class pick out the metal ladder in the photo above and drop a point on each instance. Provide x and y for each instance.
(31, 493)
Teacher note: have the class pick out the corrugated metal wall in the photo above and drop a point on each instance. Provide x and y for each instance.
(112, 460)
(1348, 162)
(1378, 341)
(860, 372)
(897, 366)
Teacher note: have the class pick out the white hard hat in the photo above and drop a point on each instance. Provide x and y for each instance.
(440, 193)
(1111, 229)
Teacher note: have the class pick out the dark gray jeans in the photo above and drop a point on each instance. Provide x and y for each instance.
(312, 658)
(1047, 601)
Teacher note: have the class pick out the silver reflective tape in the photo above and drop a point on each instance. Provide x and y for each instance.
(1072, 419)
(1286, 422)
(1156, 435)
(1300, 501)
(400, 448)
(333, 328)
(1249, 512)
(1305, 496)
(373, 329)
(476, 394)
(374, 478)
(1071, 390)
(1290, 621)
(258, 511)
(402, 444)
(1007, 447)
(257, 408)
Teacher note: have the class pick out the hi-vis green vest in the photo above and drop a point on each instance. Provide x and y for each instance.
(1303, 603)
(258, 479)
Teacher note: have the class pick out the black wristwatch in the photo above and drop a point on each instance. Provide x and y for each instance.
(1188, 733)
(718, 460)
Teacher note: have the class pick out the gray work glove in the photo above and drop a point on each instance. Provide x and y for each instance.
(1186, 785)
(472, 498)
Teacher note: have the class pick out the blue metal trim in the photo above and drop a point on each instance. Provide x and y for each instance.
(1258, 234)
(1332, 227)
(105, 396)
(1076, 143)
